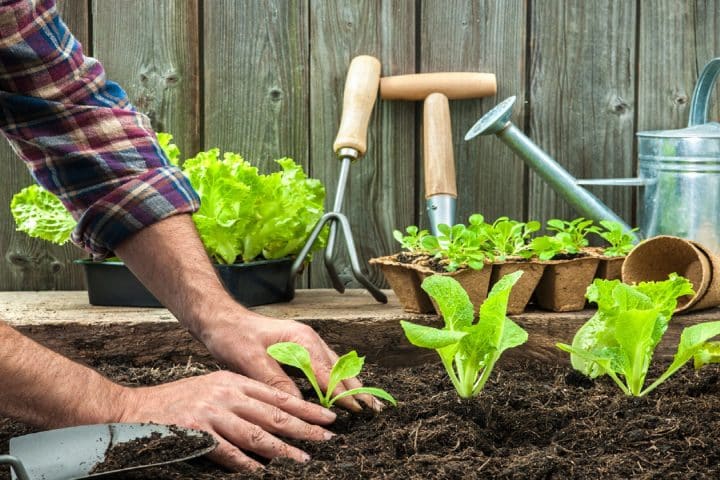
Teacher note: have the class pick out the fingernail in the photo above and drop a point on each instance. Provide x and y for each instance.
(329, 414)
(328, 435)
(305, 458)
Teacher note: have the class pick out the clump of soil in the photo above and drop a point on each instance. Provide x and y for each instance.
(153, 449)
(532, 421)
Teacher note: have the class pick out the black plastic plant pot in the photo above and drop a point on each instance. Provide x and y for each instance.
(262, 282)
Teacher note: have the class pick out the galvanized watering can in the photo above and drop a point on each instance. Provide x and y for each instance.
(680, 170)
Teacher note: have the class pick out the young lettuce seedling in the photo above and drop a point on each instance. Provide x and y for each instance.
(412, 242)
(511, 238)
(347, 366)
(620, 240)
(619, 340)
(468, 350)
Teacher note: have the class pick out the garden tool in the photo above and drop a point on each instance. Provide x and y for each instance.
(361, 88)
(454, 85)
(680, 170)
(438, 161)
(72, 453)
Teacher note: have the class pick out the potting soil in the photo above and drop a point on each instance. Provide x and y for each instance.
(531, 422)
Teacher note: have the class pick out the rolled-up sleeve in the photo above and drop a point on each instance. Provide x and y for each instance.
(78, 133)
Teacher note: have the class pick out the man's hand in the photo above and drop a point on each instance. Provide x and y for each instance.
(240, 341)
(240, 413)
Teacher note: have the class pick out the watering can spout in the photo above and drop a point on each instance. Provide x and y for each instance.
(497, 121)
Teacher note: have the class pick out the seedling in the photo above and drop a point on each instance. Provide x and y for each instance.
(621, 241)
(577, 230)
(619, 340)
(459, 245)
(468, 350)
(511, 238)
(412, 242)
(347, 366)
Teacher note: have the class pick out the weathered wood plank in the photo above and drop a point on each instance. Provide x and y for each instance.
(381, 190)
(482, 36)
(64, 321)
(582, 97)
(676, 40)
(151, 49)
(29, 264)
(256, 81)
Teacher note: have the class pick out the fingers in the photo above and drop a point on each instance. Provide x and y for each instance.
(230, 457)
(275, 420)
(310, 412)
(247, 436)
(269, 372)
(351, 383)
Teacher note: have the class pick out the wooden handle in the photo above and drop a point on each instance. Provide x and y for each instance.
(438, 159)
(361, 87)
(454, 85)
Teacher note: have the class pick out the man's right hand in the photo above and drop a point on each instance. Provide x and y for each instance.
(241, 413)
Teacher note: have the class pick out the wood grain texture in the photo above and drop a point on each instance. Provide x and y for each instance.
(381, 188)
(257, 82)
(675, 41)
(151, 49)
(582, 97)
(483, 36)
(25, 263)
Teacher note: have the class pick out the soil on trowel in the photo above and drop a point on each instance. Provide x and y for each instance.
(153, 449)
(532, 421)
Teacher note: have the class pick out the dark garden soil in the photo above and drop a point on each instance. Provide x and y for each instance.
(531, 422)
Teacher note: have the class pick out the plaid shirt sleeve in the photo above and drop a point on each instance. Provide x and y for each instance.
(78, 133)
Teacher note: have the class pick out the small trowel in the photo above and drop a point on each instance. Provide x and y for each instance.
(439, 162)
(72, 453)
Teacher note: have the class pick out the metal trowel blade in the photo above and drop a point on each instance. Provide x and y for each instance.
(72, 453)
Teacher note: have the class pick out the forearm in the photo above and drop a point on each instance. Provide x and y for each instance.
(42, 388)
(170, 260)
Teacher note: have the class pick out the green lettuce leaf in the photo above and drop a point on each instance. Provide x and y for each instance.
(40, 214)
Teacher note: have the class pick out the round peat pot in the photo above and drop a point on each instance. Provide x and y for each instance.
(112, 284)
(260, 282)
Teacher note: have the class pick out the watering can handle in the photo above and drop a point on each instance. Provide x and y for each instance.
(16, 465)
(700, 103)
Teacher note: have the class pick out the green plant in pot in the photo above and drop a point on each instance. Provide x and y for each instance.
(569, 267)
(251, 224)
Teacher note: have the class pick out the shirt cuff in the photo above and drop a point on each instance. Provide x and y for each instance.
(141, 201)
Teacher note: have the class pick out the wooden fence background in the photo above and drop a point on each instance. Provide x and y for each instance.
(265, 78)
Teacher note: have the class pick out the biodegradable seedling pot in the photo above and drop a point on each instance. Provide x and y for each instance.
(711, 297)
(525, 286)
(657, 257)
(405, 282)
(475, 282)
(253, 283)
(564, 282)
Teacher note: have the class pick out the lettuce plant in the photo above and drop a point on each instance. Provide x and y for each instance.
(243, 215)
(620, 240)
(620, 339)
(468, 349)
(459, 245)
(576, 231)
(548, 247)
(347, 366)
(412, 242)
(41, 214)
(508, 238)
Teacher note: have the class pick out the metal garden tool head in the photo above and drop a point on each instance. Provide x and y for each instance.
(680, 170)
(72, 453)
(361, 88)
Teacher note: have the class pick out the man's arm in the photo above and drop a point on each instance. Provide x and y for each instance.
(42, 388)
(171, 261)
